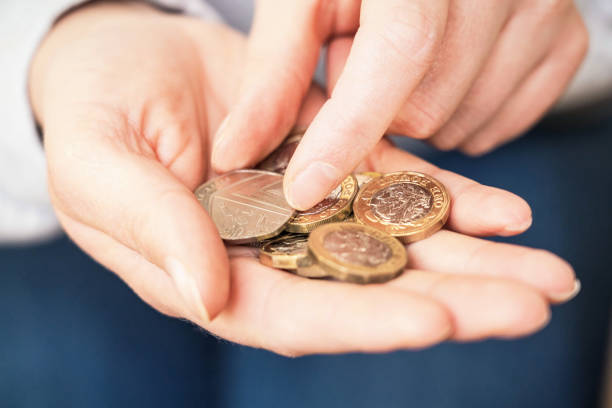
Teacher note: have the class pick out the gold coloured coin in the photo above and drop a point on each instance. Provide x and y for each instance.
(309, 268)
(408, 205)
(365, 177)
(335, 207)
(284, 252)
(357, 253)
(246, 205)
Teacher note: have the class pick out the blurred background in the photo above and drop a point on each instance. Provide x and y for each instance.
(73, 335)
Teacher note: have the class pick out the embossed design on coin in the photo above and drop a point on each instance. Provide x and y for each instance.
(357, 253)
(401, 203)
(408, 205)
(278, 160)
(356, 247)
(335, 207)
(246, 205)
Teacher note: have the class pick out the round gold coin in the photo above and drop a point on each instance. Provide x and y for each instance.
(408, 205)
(365, 177)
(284, 252)
(357, 253)
(335, 207)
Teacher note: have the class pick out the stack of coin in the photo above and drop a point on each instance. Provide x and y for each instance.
(352, 235)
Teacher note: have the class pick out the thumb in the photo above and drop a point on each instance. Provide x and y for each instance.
(281, 59)
(130, 197)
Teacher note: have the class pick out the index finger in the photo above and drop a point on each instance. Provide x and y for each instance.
(393, 49)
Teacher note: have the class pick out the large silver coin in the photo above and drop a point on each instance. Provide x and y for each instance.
(246, 205)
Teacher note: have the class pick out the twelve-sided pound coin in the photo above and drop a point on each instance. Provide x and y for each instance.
(284, 252)
(335, 207)
(246, 205)
(357, 253)
(408, 205)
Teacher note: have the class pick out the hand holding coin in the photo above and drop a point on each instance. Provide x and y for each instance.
(440, 268)
(123, 166)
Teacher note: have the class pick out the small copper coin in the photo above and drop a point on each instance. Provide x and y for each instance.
(278, 160)
(335, 207)
(357, 253)
(246, 205)
(408, 205)
(365, 177)
(284, 252)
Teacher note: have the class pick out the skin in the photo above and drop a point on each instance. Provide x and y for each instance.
(463, 74)
(129, 99)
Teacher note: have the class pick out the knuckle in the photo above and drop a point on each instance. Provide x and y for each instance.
(450, 137)
(420, 121)
(410, 33)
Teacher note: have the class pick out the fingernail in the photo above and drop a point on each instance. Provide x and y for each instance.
(187, 287)
(565, 297)
(311, 184)
(220, 140)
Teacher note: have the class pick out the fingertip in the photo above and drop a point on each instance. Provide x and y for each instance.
(516, 227)
(519, 216)
(501, 212)
(412, 322)
(310, 185)
(494, 308)
(435, 327)
(525, 313)
(187, 286)
(551, 274)
(568, 295)
(204, 297)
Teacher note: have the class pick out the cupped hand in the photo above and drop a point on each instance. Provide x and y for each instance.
(129, 98)
(463, 74)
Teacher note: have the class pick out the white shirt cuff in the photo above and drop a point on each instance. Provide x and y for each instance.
(25, 210)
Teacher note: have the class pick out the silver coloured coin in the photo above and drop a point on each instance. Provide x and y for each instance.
(247, 206)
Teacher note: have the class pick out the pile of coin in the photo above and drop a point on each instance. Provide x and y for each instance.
(352, 235)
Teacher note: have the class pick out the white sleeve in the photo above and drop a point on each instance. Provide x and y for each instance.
(25, 211)
(593, 82)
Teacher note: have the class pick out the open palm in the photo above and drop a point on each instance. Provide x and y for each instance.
(129, 99)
